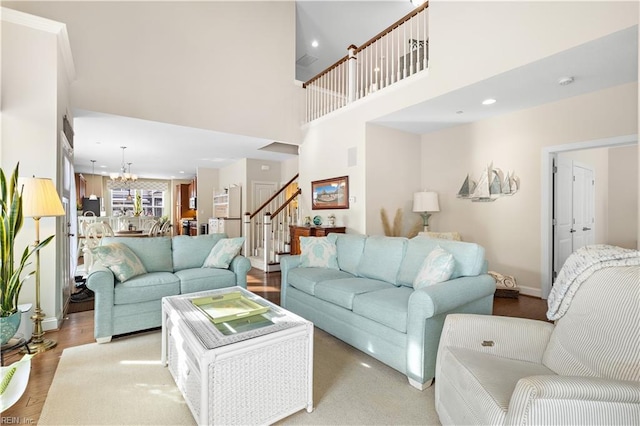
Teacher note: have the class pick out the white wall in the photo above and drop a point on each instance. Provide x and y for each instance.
(30, 128)
(479, 39)
(196, 64)
(510, 228)
(235, 174)
(623, 197)
(392, 176)
(289, 168)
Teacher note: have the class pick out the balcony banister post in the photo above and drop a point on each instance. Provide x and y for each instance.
(246, 231)
(351, 74)
(267, 238)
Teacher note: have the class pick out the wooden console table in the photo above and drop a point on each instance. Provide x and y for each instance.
(310, 231)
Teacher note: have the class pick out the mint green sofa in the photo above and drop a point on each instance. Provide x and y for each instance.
(174, 266)
(370, 303)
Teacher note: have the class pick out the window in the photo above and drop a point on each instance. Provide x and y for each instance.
(122, 201)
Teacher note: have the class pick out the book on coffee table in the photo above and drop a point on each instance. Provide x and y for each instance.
(228, 307)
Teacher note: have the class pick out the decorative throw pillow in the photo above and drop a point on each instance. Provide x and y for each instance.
(436, 268)
(318, 252)
(223, 253)
(120, 259)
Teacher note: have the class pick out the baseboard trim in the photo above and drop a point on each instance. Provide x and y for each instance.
(530, 291)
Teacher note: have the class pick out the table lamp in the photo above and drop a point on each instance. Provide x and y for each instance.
(425, 203)
(39, 199)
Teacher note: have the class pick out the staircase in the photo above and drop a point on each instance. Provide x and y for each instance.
(266, 230)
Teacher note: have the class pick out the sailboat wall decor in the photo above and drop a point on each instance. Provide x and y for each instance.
(491, 185)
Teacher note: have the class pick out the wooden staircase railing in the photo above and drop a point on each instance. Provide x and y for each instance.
(267, 234)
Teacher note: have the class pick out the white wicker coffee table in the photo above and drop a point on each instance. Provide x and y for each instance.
(233, 374)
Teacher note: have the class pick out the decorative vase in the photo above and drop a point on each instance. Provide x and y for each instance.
(9, 326)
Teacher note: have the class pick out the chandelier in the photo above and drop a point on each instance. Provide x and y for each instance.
(124, 176)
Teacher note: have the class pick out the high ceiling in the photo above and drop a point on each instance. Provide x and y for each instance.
(334, 25)
(597, 65)
(157, 150)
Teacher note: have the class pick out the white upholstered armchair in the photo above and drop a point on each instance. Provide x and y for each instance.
(584, 369)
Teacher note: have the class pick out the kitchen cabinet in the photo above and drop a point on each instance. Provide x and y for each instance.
(310, 231)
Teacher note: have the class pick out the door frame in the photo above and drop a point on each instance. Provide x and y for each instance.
(546, 203)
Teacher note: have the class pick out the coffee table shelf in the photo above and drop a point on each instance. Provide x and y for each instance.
(257, 376)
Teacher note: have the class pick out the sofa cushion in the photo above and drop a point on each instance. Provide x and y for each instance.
(201, 279)
(350, 248)
(382, 257)
(469, 258)
(318, 252)
(305, 279)
(388, 306)
(147, 287)
(342, 291)
(154, 252)
(223, 253)
(191, 251)
(436, 268)
(120, 259)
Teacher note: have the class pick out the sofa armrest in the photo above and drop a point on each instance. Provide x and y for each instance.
(428, 308)
(447, 296)
(240, 266)
(515, 338)
(573, 400)
(102, 282)
(287, 263)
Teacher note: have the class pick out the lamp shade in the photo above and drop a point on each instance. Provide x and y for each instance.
(425, 202)
(40, 198)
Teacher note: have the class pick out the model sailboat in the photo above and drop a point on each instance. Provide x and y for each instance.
(491, 185)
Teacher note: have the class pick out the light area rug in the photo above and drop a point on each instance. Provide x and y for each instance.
(124, 383)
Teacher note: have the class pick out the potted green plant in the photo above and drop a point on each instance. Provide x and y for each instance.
(11, 272)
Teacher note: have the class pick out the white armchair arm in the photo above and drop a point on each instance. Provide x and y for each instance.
(574, 400)
(514, 338)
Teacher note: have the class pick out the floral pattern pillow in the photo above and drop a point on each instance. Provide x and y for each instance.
(436, 268)
(223, 253)
(318, 252)
(120, 259)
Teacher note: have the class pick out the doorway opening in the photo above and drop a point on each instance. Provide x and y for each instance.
(547, 201)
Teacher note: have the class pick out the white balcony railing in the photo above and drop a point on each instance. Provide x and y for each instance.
(399, 51)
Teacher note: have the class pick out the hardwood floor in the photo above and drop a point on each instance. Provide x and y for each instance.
(77, 329)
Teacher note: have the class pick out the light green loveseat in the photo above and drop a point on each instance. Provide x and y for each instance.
(370, 303)
(174, 266)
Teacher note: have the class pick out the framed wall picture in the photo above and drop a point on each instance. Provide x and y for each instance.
(330, 193)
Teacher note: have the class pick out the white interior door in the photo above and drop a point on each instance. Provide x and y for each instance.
(583, 206)
(574, 207)
(563, 205)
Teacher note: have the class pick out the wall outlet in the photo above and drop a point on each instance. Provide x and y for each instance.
(352, 199)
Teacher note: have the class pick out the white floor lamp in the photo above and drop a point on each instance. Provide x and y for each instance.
(39, 199)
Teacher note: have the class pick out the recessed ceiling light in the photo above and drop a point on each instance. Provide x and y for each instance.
(489, 101)
(181, 172)
(314, 43)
